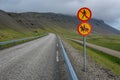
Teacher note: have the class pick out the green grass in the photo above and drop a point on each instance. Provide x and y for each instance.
(108, 41)
(101, 58)
(9, 34)
(112, 42)
(19, 42)
(13, 44)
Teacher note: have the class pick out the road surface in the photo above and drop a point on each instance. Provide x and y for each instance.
(100, 48)
(34, 60)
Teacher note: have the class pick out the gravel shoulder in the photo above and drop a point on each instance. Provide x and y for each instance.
(94, 70)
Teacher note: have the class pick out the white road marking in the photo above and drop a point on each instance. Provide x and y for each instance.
(57, 44)
(12, 59)
(57, 56)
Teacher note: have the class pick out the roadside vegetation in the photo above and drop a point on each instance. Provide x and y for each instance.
(7, 44)
(9, 34)
(12, 37)
(112, 42)
(108, 41)
(105, 60)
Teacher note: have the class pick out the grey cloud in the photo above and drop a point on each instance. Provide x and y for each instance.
(107, 10)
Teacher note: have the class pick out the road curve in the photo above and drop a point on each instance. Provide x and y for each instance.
(34, 60)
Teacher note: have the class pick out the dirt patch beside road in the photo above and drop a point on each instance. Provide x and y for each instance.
(94, 70)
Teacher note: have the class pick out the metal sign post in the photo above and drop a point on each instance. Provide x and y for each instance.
(84, 44)
(84, 28)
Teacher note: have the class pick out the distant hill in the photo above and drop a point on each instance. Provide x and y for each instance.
(30, 20)
(99, 26)
(8, 22)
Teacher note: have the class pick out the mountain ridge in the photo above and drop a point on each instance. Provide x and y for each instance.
(33, 20)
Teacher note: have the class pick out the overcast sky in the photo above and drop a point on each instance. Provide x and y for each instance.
(107, 10)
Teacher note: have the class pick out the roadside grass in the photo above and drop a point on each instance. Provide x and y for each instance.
(9, 34)
(19, 42)
(101, 58)
(108, 41)
(13, 44)
(112, 42)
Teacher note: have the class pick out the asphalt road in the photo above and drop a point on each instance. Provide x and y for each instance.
(34, 60)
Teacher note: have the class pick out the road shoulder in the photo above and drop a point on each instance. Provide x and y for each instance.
(94, 70)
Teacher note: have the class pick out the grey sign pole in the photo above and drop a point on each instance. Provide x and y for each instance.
(84, 44)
